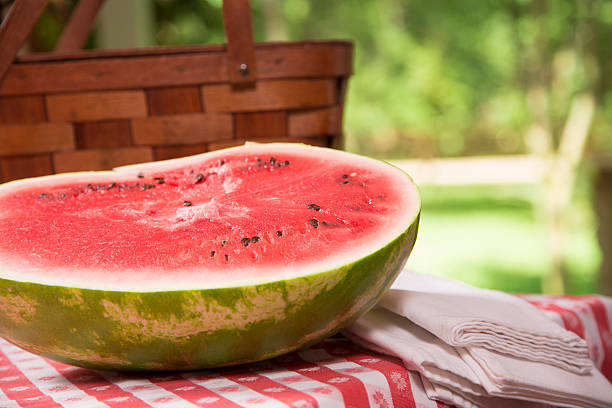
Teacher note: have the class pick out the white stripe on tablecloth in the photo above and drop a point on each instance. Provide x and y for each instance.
(47, 379)
(242, 395)
(418, 392)
(147, 391)
(373, 381)
(307, 385)
(6, 402)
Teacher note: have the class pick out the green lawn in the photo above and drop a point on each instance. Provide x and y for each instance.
(491, 237)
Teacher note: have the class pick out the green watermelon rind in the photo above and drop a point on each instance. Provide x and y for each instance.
(186, 329)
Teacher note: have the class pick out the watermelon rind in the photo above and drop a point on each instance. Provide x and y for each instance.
(201, 327)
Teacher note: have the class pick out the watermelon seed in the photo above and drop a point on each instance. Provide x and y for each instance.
(222, 162)
(90, 186)
(245, 241)
(226, 257)
(325, 224)
(279, 233)
(159, 180)
(314, 222)
(140, 175)
(212, 253)
(199, 178)
(314, 207)
(286, 163)
(43, 195)
(63, 195)
(255, 239)
(187, 203)
(111, 185)
(272, 160)
(345, 182)
(345, 176)
(223, 243)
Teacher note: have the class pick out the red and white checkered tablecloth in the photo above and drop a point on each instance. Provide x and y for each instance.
(333, 373)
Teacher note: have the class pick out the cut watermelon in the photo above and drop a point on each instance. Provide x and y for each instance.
(222, 258)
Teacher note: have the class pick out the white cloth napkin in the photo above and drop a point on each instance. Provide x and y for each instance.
(423, 321)
(475, 377)
(463, 315)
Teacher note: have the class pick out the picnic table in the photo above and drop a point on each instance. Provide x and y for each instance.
(332, 373)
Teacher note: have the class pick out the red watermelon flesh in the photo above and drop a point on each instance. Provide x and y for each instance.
(238, 215)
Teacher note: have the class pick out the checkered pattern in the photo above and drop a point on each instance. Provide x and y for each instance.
(333, 373)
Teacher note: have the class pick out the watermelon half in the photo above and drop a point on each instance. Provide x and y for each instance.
(222, 258)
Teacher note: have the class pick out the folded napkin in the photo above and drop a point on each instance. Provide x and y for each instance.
(474, 377)
(481, 348)
(463, 315)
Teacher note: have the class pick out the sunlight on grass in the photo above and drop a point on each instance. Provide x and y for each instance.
(491, 237)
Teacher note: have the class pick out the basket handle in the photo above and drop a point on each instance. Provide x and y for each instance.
(15, 29)
(24, 13)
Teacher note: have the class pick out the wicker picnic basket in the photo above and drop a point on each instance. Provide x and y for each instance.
(74, 110)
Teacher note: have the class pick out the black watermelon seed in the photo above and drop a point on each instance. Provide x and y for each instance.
(254, 239)
(43, 195)
(212, 253)
(314, 207)
(199, 178)
(279, 233)
(186, 203)
(314, 222)
(222, 162)
(159, 180)
(286, 163)
(140, 175)
(63, 195)
(112, 185)
(345, 182)
(245, 241)
(345, 176)
(223, 243)
(272, 160)
(90, 186)
(226, 257)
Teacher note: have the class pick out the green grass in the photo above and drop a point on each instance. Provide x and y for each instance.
(492, 237)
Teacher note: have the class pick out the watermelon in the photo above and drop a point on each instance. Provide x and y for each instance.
(222, 258)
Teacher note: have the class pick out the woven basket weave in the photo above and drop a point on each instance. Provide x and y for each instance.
(74, 110)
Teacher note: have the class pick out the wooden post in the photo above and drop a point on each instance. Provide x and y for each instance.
(126, 24)
(604, 212)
